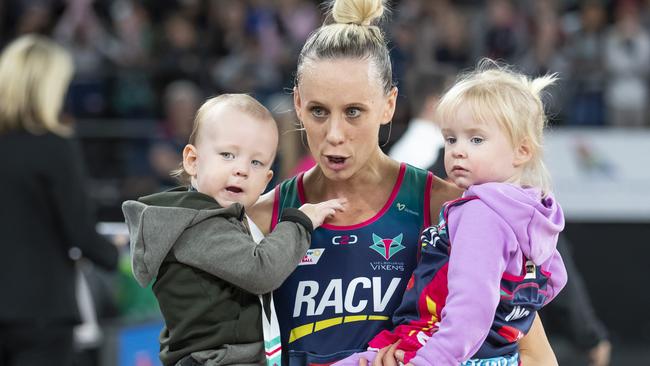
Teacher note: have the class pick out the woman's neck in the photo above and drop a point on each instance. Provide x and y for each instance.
(374, 173)
(366, 191)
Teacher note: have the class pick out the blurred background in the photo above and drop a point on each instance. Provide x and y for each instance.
(144, 66)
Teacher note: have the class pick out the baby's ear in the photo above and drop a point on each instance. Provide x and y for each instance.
(269, 176)
(523, 153)
(190, 157)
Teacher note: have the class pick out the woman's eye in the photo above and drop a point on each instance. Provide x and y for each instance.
(476, 140)
(227, 155)
(353, 112)
(318, 112)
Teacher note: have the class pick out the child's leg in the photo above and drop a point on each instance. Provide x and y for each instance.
(353, 360)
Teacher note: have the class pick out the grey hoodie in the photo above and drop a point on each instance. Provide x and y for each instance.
(207, 269)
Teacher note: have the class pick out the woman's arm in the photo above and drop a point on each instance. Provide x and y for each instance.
(534, 348)
(261, 212)
(71, 201)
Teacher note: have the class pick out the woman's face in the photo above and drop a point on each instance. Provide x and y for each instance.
(341, 104)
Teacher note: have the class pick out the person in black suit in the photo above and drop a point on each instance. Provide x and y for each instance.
(45, 219)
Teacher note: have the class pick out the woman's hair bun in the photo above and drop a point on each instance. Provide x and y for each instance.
(360, 12)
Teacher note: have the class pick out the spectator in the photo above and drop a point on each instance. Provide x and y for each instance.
(586, 69)
(181, 101)
(45, 222)
(504, 34)
(81, 31)
(627, 62)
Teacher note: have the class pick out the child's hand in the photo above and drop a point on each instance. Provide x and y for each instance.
(318, 212)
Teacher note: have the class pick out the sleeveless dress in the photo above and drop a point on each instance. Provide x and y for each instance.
(352, 278)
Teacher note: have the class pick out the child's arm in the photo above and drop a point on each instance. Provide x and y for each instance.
(481, 244)
(222, 249)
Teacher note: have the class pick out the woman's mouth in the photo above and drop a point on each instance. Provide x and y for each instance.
(335, 162)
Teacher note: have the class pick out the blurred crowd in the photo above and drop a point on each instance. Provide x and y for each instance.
(129, 52)
(146, 65)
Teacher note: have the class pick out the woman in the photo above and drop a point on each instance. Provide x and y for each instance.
(352, 279)
(45, 221)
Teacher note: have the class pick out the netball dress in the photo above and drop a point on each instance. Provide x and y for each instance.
(352, 278)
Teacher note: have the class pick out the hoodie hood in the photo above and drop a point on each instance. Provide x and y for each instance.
(157, 221)
(536, 221)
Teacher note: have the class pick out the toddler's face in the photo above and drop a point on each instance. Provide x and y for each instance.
(478, 152)
(234, 153)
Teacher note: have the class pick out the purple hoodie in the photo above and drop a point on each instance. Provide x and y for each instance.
(490, 236)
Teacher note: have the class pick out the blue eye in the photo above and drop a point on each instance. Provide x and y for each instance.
(450, 140)
(318, 112)
(477, 140)
(353, 112)
(257, 163)
(227, 155)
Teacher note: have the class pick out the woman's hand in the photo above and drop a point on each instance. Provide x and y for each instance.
(387, 356)
(600, 355)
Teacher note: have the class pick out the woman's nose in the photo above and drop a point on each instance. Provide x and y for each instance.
(335, 133)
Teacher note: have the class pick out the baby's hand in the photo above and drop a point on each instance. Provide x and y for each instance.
(318, 212)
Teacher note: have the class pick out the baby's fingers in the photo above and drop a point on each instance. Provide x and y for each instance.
(337, 204)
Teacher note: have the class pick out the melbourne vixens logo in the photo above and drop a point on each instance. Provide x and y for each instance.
(387, 247)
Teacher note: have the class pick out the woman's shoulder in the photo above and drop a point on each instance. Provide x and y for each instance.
(441, 192)
(44, 144)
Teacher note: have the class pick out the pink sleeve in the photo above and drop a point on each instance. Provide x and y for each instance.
(481, 245)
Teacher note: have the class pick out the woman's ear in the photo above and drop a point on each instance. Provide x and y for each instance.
(190, 157)
(523, 153)
(391, 102)
(297, 103)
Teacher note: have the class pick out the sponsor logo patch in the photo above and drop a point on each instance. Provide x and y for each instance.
(312, 257)
(402, 207)
(387, 248)
(345, 239)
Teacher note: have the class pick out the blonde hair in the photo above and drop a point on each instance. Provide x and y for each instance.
(350, 32)
(242, 102)
(34, 76)
(495, 93)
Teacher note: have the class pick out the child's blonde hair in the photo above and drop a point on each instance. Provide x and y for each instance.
(34, 75)
(495, 93)
(350, 32)
(242, 102)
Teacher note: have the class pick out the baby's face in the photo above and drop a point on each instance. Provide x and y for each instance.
(478, 152)
(234, 155)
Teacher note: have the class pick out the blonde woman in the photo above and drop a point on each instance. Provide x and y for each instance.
(352, 279)
(45, 222)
